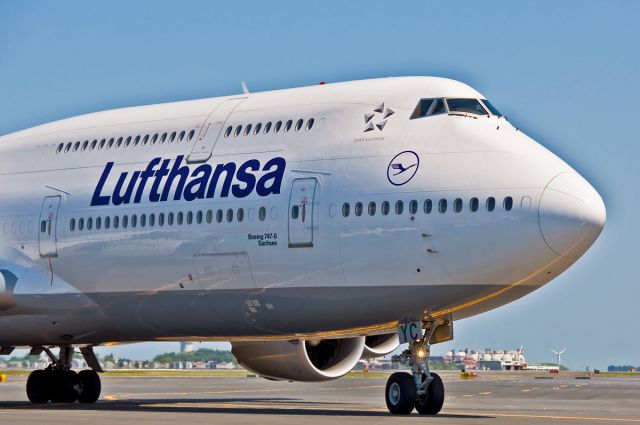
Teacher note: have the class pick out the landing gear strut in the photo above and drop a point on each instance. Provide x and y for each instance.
(59, 384)
(419, 389)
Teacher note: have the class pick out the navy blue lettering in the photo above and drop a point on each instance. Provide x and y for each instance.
(146, 174)
(118, 198)
(248, 179)
(275, 175)
(176, 171)
(97, 199)
(197, 187)
(229, 169)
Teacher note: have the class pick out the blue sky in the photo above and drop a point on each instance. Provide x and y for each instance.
(565, 72)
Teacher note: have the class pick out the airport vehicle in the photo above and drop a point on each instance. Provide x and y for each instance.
(310, 227)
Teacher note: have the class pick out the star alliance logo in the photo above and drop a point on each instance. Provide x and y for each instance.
(377, 119)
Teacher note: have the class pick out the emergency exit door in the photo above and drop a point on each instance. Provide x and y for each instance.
(301, 212)
(47, 228)
(211, 130)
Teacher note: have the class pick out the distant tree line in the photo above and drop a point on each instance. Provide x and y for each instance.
(201, 355)
(626, 368)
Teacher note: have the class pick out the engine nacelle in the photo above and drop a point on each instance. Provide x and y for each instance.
(300, 360)
(380, 345)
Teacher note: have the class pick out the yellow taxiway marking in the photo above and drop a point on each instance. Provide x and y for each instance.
(111, 398)
(522, 415)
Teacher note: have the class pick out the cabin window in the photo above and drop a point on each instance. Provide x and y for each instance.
(134, 220)
(229, 215)
(154, 139)
(358, 209)
(427, 206)
(508, 203)
(299, 124)
(163, 138)
(473, 204)
(457, 205)
(491, 204)
(181, 136)
(238, 130)
(143, 220)
(385, 208)
(295, 212)
(372, 208)
(413, 206)
(170, 218)
(189, 217)
(288, 125)
(209, 216)
(199, 217)
(267, 127)
(310, 124)
(262, 213)
(442, 206)
(161, 219)
(399, 207)
(179, 218)
(116, 222)
(152, 220)
(346, 209)
(173, 137)
(258, 128)
(247, 129)
(276, 128)
(76, 146)
(68, 147)
(98, 223)
(125, 221)
(227, 132)
(72, 225)
(107, 222)
(145, 139)
(240, 214)
(80, 224)
(192, 133)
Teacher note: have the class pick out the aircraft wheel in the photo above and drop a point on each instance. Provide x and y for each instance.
(401, 393)
(90, 386)
(65, 384)
(39, 386)
(431, 402)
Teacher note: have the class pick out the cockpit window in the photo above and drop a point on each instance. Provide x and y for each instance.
(466, 106)
(422, 109)
(438, 108)
(491, 108)
(428, 107)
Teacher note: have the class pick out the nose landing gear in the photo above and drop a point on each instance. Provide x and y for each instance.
(419, 389)
(59, 384)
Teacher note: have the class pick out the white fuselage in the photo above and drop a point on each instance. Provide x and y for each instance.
(278, 234)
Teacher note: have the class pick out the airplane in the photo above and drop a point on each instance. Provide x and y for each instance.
(278, 221)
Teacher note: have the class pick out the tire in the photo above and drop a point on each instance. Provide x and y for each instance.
(64, 388)
(431, 403)
(39, 386)
(90, 387)
(400, 393)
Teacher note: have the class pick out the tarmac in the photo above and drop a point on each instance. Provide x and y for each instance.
(490, 398)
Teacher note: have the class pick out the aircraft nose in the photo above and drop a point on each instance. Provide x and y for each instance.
(572, 214)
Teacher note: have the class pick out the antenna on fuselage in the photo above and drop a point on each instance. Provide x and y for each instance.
(245, 90)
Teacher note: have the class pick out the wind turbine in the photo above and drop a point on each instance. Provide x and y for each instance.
(559, 355)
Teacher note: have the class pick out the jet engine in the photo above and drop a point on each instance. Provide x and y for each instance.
(300, 360)
(380, 345)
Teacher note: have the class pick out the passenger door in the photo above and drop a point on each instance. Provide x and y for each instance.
(301, 212)
(211, 130)
(47, 229)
